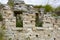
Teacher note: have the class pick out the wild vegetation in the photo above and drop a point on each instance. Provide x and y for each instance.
(1, 18)
(1, 34)
(10, 3)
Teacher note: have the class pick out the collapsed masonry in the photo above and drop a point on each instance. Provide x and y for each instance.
(49, 31)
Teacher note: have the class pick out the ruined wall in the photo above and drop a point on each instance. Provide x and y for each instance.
(49, 31)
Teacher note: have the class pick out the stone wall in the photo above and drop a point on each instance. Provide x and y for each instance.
(49, 31)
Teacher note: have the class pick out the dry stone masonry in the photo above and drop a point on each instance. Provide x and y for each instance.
(49, 31)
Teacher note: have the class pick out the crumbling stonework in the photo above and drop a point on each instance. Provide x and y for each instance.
(49, 31)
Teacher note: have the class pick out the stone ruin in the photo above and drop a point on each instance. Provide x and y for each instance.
(49, 31)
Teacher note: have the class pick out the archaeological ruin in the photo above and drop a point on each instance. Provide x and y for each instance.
(20, 23)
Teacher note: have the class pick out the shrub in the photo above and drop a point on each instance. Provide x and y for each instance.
(39, 24)
(19, 23)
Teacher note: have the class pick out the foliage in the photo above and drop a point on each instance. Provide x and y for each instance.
(10, 39)
(57, 11)
(1, 18)
(48, 8)
(39, 6)
(57, 8)
(19, 23)
(1, 34)
(11, 3)
(55, 15)
(39, 24)
(48, 34)
(3, 27)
